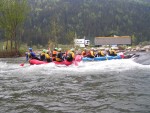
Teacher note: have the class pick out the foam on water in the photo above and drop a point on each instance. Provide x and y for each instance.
(82, 68)
(106, 86)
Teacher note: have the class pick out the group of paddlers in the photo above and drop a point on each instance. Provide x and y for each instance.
(59, 56)
(98, 53)
(55, 55)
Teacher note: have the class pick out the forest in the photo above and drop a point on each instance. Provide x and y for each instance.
(59, 21)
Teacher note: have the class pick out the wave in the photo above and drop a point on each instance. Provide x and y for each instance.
(144, 59)
(82, 68)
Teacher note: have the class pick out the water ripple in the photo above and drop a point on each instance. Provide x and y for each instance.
(84, 89)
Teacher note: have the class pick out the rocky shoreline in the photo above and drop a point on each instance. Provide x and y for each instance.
(139, 49)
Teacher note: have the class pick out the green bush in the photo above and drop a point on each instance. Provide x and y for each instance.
(144, 43)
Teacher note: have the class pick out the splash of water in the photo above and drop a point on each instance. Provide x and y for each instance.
(82, 68)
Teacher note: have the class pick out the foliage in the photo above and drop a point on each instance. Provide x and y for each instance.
(57, 20)
(13, 14)
(144, 43)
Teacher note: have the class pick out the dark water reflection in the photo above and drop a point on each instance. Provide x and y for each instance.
(51, 89)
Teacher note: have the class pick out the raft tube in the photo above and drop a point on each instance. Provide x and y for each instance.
(78, 58)
(65, 62)
(101, 58)
(37, 62)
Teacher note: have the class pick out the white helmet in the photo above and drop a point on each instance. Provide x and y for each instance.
(59, 49)
(72, 49)
(92, 48)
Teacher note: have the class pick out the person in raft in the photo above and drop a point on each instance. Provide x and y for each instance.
(54, 52)
(112, 52)
(84, 52)
(59, 55)
(70, 55)
(91, 53)
(31, 55)
(44, 56)
(100, 53)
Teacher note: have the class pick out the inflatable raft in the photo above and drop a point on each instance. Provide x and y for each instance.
(78, 58)
(38, 62)
(65, 62)
(101, 58)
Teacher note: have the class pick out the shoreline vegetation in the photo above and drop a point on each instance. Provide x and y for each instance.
(41, 24)
(10, 54)
(20, 53)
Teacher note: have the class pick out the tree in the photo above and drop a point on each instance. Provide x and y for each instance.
(70, 36)
(13, 14)
(134, 40)
(55, 30)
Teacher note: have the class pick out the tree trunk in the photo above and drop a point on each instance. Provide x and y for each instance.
(11, 43)
(6, 44)
(15, 41)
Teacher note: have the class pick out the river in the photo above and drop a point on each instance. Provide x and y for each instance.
(113, 86)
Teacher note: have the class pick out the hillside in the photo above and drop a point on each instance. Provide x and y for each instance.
(59, 20)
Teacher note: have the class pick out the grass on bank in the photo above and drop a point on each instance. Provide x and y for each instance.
(5, 50)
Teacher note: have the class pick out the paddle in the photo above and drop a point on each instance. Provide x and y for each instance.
(27, 57)
(106, 57)
(22, 64)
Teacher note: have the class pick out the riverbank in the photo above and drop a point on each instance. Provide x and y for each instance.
(128, 50)
(9, 54)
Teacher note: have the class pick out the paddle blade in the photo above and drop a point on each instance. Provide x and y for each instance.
(22, 64)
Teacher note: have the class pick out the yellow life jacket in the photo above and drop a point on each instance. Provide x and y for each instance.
(92, 53)
(101, 53)
(58, 57)
(42, 54)
(114, 52)
(73, 55)
(47, 56)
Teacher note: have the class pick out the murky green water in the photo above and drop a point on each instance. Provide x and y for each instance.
(116, 86)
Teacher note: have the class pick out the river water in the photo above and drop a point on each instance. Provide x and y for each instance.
(113, 86)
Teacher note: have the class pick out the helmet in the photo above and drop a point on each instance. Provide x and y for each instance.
(30, 49)
(106, 49)
(92, 48)
(56, 48)
(47, 51)
(72, 49)
(44, 50)
(59, 49)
